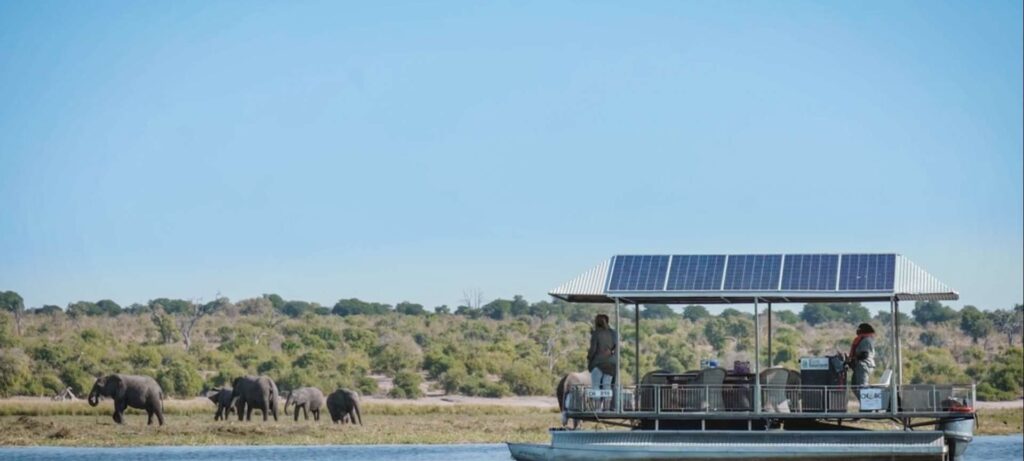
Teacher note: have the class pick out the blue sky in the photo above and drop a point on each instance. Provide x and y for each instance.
(412, 151)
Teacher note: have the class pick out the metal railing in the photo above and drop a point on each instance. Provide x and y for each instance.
(668, 399)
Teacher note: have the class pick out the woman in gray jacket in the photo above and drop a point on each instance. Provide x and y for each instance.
(601, 356)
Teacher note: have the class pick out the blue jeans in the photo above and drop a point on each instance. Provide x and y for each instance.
(601, 380)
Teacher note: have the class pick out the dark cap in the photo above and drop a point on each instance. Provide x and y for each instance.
(864, 328)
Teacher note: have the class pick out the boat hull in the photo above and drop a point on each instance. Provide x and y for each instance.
(746, 445)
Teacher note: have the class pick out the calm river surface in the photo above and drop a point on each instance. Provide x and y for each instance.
(986, 448)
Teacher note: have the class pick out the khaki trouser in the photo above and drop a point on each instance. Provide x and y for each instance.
(861, 373)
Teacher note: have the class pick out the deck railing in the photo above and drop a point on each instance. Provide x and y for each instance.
(661, 398)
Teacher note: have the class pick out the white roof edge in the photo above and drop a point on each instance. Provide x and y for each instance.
(913, 282)
(590, 283)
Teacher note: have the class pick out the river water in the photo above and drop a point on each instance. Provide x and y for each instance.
(984, 448)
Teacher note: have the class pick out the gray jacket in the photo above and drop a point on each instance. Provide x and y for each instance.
(866, 345)
(602, 350)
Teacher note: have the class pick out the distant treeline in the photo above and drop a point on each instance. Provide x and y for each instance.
(501, 347)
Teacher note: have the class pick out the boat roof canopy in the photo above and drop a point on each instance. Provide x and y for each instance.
(742, 279)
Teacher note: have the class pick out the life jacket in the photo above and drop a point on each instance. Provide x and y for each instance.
(856, 342)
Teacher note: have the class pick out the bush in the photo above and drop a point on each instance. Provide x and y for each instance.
(180, 380)
(523, 379)
(1002, 378)
(407, 385)
(367, 386)
(397, 355)
(14, 372)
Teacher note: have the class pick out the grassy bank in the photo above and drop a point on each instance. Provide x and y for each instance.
(191, 423)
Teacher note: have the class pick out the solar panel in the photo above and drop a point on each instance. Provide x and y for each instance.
(695, 272)
(638, 273)
(867, 272)
(810, 272)
(753, 272)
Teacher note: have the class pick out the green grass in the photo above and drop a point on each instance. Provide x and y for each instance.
(1001, 422)
(40, 422)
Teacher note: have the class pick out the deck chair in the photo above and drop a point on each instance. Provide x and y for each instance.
(882, 385)
(885, 380)
(776, 397)
(706, 391)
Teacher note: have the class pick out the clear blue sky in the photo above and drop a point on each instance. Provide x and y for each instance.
(411, 151)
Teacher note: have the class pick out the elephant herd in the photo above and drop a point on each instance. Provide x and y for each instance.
(247, 393)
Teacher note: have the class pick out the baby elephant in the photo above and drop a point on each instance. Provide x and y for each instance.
(140, 392)
(344, 403)
(305, 398)
(221, 396)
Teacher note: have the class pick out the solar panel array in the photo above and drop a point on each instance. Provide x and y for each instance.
(639, 273)
(810, 272)
(867, 272)
(696, 272)
(753, 272)
(790, 273)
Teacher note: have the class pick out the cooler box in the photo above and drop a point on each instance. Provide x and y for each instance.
(815, 374)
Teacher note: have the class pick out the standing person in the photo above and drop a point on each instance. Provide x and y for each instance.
(862, 354)
(601, 356)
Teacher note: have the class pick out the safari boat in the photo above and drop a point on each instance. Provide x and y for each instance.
(766, 412)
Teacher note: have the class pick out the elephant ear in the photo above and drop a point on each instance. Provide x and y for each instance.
(116, 386)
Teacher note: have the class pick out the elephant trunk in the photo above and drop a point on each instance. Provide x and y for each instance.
(94, 395)
(288, 402)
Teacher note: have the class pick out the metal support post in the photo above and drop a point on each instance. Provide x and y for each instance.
(893, 396)
(636, 363)
(771, 360)
(757, 360)
(899, 342)
(616, 396)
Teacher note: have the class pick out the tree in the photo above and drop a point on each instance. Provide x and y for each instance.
(975, 323)
(1008, 321)
(296, 309)
(409, 308)
(12, 302)
(353, 306)
(816, 314)
(715, 330)
(275, 301)
(164, 326)
(885, 318)
(442, 310)
(520, 306)
(695, 312)
(656, 311)
(926, 312)
(497, 309)
(48, 309)
(108, 307)
(83, 309)
(187, 314)
(787, 316)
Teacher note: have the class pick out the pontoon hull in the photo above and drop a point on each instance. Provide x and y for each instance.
(746, 445)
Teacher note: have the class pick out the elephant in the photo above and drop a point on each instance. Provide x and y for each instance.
(255, 392)
(221, 396)
(305, 398)
(140, 392)
(344, 403)
(563, 393)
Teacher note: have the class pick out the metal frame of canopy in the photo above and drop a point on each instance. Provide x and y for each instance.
(910, 282)
(897, 359)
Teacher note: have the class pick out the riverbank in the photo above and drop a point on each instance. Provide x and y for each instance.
(25, 422)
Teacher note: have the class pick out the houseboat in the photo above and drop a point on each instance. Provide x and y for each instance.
(761, 411)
